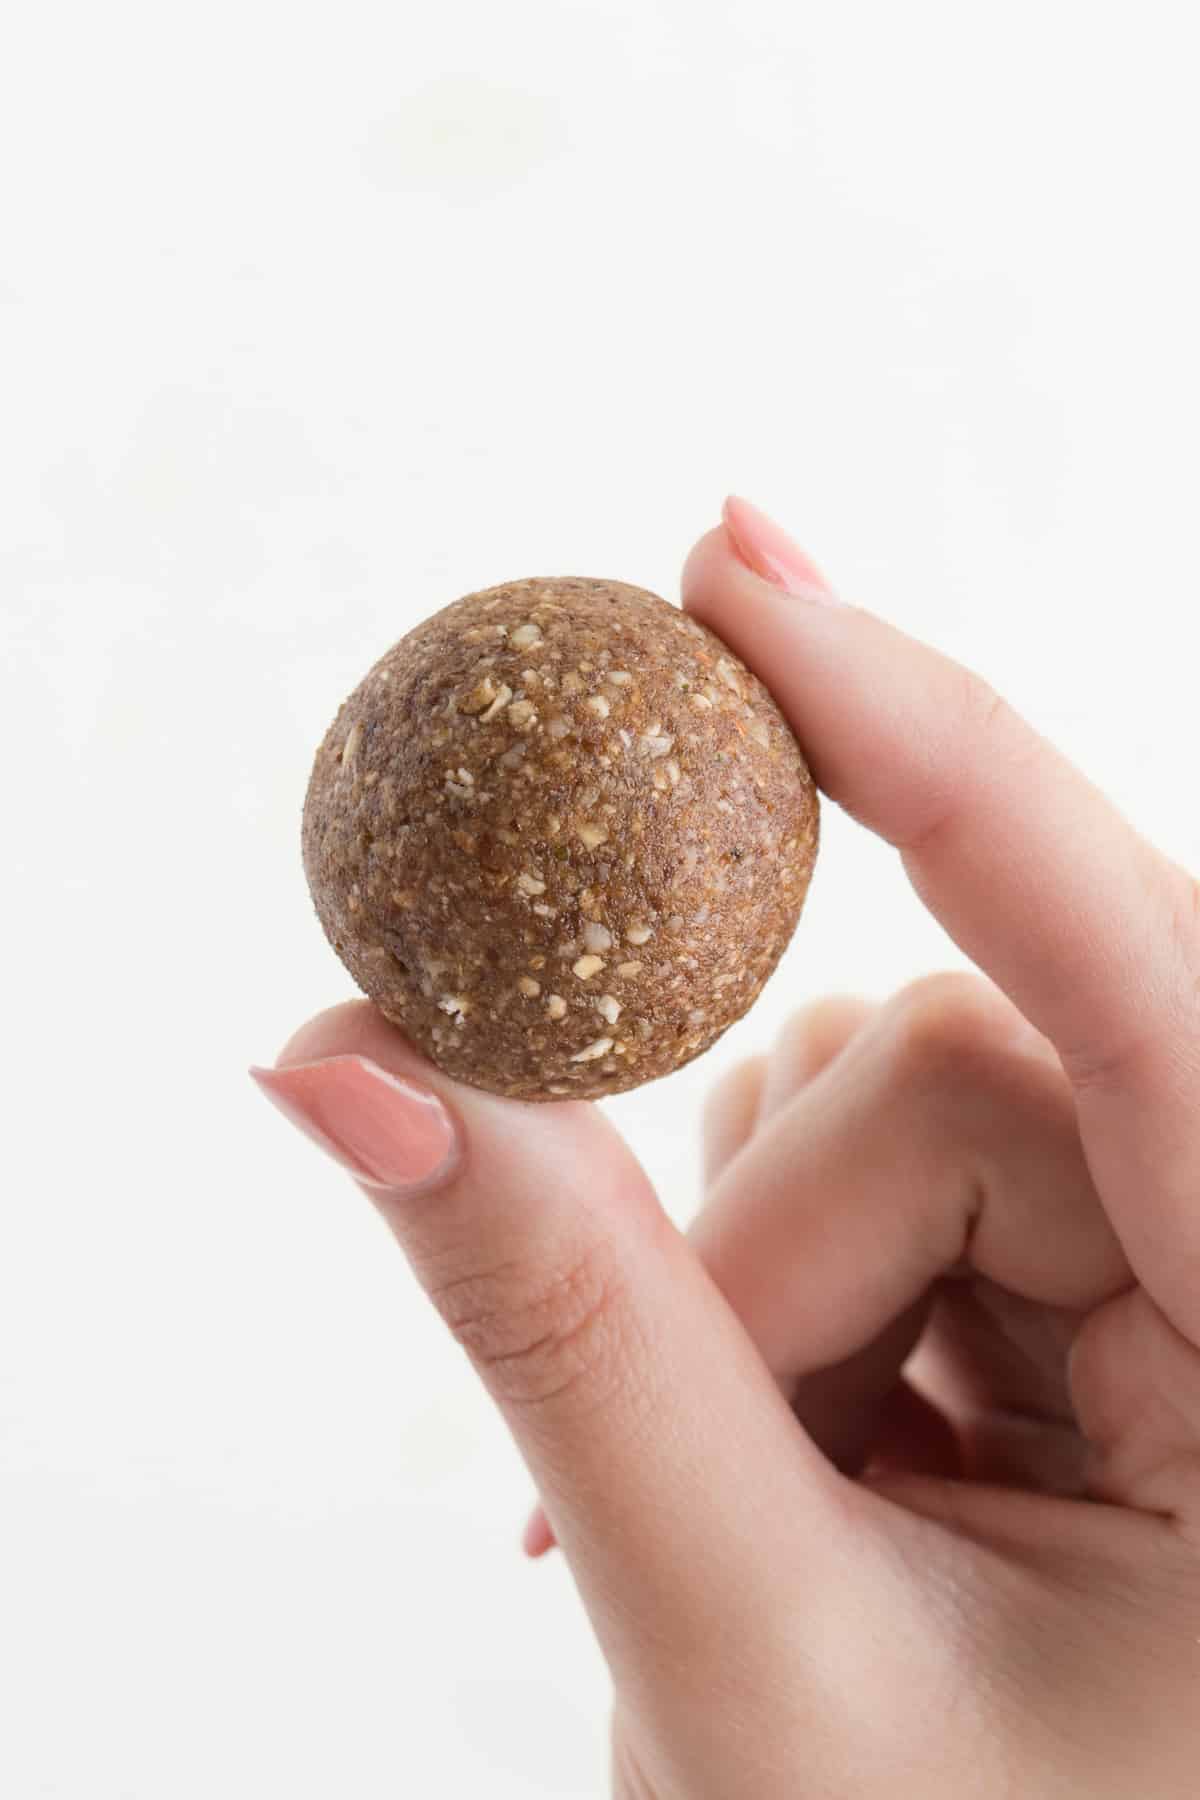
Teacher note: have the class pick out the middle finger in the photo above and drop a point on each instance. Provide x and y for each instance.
(930, 1145)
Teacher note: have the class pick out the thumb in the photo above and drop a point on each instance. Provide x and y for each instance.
(672, 1471)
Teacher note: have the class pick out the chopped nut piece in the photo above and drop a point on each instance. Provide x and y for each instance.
(529, 884)
(481, 695)
(638, 934)
(587, 966)
(350, 747)
(608, 1008)
(556, 1007)
(503, 696)
(620, 677)
(599, 705)
(601, 1047)
(596, 937)
(653, 743)
(529, 986)
(628, 969)
(526, 637)
(522, 714)
(593, 835)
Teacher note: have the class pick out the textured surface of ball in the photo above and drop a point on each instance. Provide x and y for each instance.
(560, 836)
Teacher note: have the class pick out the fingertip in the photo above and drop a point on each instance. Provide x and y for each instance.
(708, 557)
(746, 611)
(347, 1027)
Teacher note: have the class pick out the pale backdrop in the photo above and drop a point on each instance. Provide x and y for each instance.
(313, 317)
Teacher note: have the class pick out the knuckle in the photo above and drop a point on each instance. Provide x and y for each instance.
(732, 1091)
(1132, 1054)
(1001, 737)
(984, 732)
(629, 1782)
(538, 1331)
(830, 1020)
(815, 1035)
(986, 712)
(986, 722)
(941, 1024)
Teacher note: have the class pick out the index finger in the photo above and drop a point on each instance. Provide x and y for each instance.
(1033, 871)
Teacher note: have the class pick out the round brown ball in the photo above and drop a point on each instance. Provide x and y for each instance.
(560, 835)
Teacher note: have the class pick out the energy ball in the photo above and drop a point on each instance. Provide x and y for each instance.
(560, 836)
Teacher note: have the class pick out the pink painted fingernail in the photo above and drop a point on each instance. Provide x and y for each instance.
(387, 1131)
(538, 1535)
(767, 550)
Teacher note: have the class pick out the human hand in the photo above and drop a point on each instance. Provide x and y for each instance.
(885, 1480)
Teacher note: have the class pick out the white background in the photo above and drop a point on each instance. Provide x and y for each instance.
(313, 317)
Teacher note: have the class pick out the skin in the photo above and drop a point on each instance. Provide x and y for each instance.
(883, 1480)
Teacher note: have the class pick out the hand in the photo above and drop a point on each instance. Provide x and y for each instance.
(884, 1481)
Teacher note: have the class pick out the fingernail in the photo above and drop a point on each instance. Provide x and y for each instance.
(767, 550)
(386, 1131)
(538, 1535)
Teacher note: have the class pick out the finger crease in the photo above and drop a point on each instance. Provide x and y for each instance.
(976, 1201)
